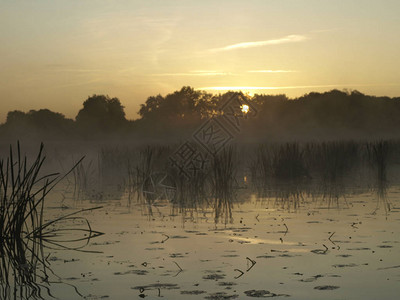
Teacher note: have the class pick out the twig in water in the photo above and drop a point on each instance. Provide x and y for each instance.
(287, 229)
(354, 225)
(331, 237)
(241, 273)
(178, 265)
(253, 262)
(320, 251)
(180, 269)
(141, 291)
(167, 238)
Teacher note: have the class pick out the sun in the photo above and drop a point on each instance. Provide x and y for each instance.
(245, 108)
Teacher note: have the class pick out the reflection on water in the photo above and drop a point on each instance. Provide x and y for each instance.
(25, 233)
(25, 269)
(378, 154)
(179, 252)
(18, 272)
(218, 236)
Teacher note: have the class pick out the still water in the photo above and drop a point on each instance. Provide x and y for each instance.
(304, 248)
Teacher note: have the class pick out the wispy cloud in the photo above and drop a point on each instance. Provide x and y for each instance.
(325, 30)
(284, 40)
(271, 71)
(250, 88)
(195, 73)
(69, 68)
(235, 88)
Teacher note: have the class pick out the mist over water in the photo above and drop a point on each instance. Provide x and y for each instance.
(201, 199)
(199, 149)
(333, 115)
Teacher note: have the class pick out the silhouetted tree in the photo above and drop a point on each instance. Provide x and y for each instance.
(333, 114)
(186, 103)
(16, 117)
(101, 113)
(176, 113)
(41, 124)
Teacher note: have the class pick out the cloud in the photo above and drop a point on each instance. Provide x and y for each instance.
(284, 40)
(271, 71)
(195, 73)
(234, 88)
(250, 88)
(325, 30)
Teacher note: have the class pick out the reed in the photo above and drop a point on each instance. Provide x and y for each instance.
(23, 231)
(332, 161)
(288, 162)
(379, 153)
(144, 162)
(223, 179)
(23, 192)
(279, 165)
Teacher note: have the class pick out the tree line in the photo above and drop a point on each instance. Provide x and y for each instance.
(333, 114)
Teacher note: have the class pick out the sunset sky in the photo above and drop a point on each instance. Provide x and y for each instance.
(54, 54)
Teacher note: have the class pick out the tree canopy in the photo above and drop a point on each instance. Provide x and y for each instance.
(316, 115)
(186, 103)
(102, 113)
(41, 122)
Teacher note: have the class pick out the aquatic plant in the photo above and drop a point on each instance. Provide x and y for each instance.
(378, 156)
(24, 233)
(141, 164)
(288, 162)
(223, 178)
(22, 201)
(82, 175)
(281, 162)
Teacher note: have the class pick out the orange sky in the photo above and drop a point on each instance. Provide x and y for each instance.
(54, 54)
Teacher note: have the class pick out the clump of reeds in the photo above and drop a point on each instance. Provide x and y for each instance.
(288, 162)
(147, 161)
(193, 192)
(378, 156)
(23, 192)
(142, 171)
(279, 165)
(281, 162)
(223, 178)
(287, 171)
(21, 213)
(112, 162)
(82, 175)
(288, 197)
(261, 168)
(23, 231)
(332, 161)
(331, 164)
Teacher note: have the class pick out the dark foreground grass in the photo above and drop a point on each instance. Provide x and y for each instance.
(24, 233)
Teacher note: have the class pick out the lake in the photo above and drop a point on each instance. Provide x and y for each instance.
(289, 241)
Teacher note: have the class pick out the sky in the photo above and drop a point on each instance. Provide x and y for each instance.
(54, 54)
